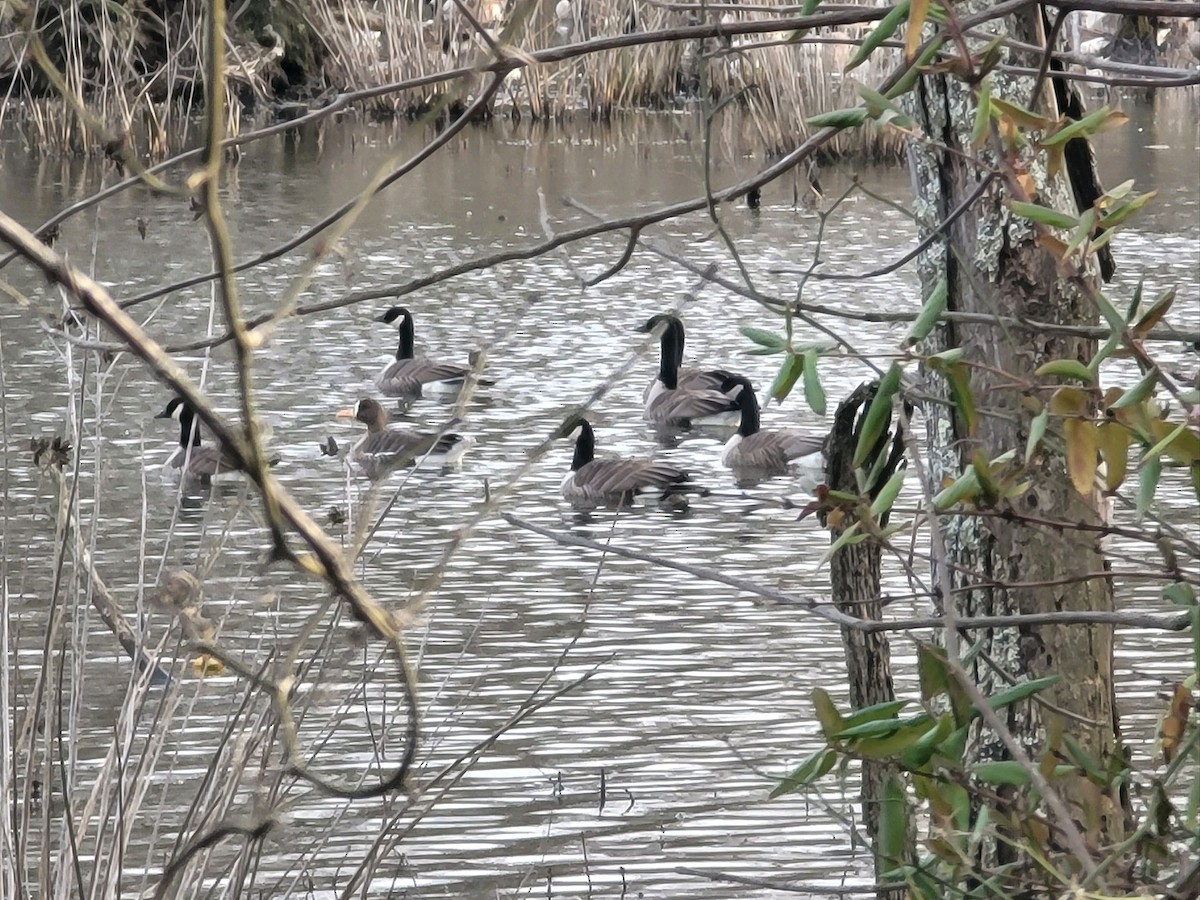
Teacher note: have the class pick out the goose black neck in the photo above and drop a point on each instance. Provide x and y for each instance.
(189, 428)
(749, 423)
(670, 358)
(405, 350)
(677, 328)
(585, 446)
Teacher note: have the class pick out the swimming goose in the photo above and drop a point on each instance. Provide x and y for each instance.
(687, 379)
(203, 462)
(407, 375)
(770, 452)
(669, 403)
(592, 482)
(383, 449)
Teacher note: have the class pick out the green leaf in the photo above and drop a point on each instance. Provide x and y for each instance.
(1157, 450)
(767, 339)
(959, 379)
(913, 72)
(879, 414)
(1147, 485)
(1020, 115)
(885, 710)
(1083, 760)
(814, 394)
(1155, 313)
(1111, 316)
(1180, 593)
(785, 379)
(1102, 119)
(1005, 771)
(940, 362)
(1125, 210)
(964, 488)
(893, 825)
(884, 30)
(1139, 393)
(955, 748)
(878, 728)
(839, 118)
(1043, 215)
(883, 502)
(932, 674)
(827, 712)
(916, 756)
(847, 538)
(1022, 691)
(1037, 430)
(983, 115)
(891, 745)
(815, 766)
(1009, 772)
(1067, 368)
(931, 312)
(876, 103)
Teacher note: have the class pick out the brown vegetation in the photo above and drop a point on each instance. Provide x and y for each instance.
(104, 74)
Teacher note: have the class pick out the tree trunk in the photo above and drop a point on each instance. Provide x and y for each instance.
(1003, 563)
(856, 586)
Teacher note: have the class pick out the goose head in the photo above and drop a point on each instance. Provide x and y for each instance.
(367, 411)
(741, 390)
(671, 340)
(400, 318)
(180, 410)
(578, 429)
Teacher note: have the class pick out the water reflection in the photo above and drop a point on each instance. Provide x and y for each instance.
(681, 698)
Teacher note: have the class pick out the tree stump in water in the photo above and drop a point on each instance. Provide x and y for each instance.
(856, 582)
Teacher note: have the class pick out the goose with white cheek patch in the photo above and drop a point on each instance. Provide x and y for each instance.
(670, 403)
(614, 481)
(685, 378)
(198, 463)
(767, 452)
(408, 375)
(382, 449)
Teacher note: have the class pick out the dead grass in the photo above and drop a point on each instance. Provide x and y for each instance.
(141, 79)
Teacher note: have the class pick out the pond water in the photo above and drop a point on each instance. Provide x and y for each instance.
(648, 777)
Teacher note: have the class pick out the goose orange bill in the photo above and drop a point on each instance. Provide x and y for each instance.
(347, 413)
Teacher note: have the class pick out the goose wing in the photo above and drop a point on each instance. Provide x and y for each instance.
(679, 407)
(602, 478)
(774, 450)
(693, 380)
(406, 376)
(381, 452)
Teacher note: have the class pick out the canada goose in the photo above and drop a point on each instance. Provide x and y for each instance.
(770, 452)
(686, 379)
(406, 375)
(382, 449)
(670, 403)
(592, 482)
(198, 463)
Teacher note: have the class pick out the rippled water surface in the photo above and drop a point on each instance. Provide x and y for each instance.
(680, 700)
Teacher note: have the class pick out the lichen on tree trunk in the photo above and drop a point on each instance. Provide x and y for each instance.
(1000, 563)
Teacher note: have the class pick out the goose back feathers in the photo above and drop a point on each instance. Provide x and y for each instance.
(771, 451)
(198, 463)
(667, 401)
(611, 481)
(382, 449)
(407, 375)
(686, 378)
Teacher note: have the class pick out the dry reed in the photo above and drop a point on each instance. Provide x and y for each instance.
(140, 79)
